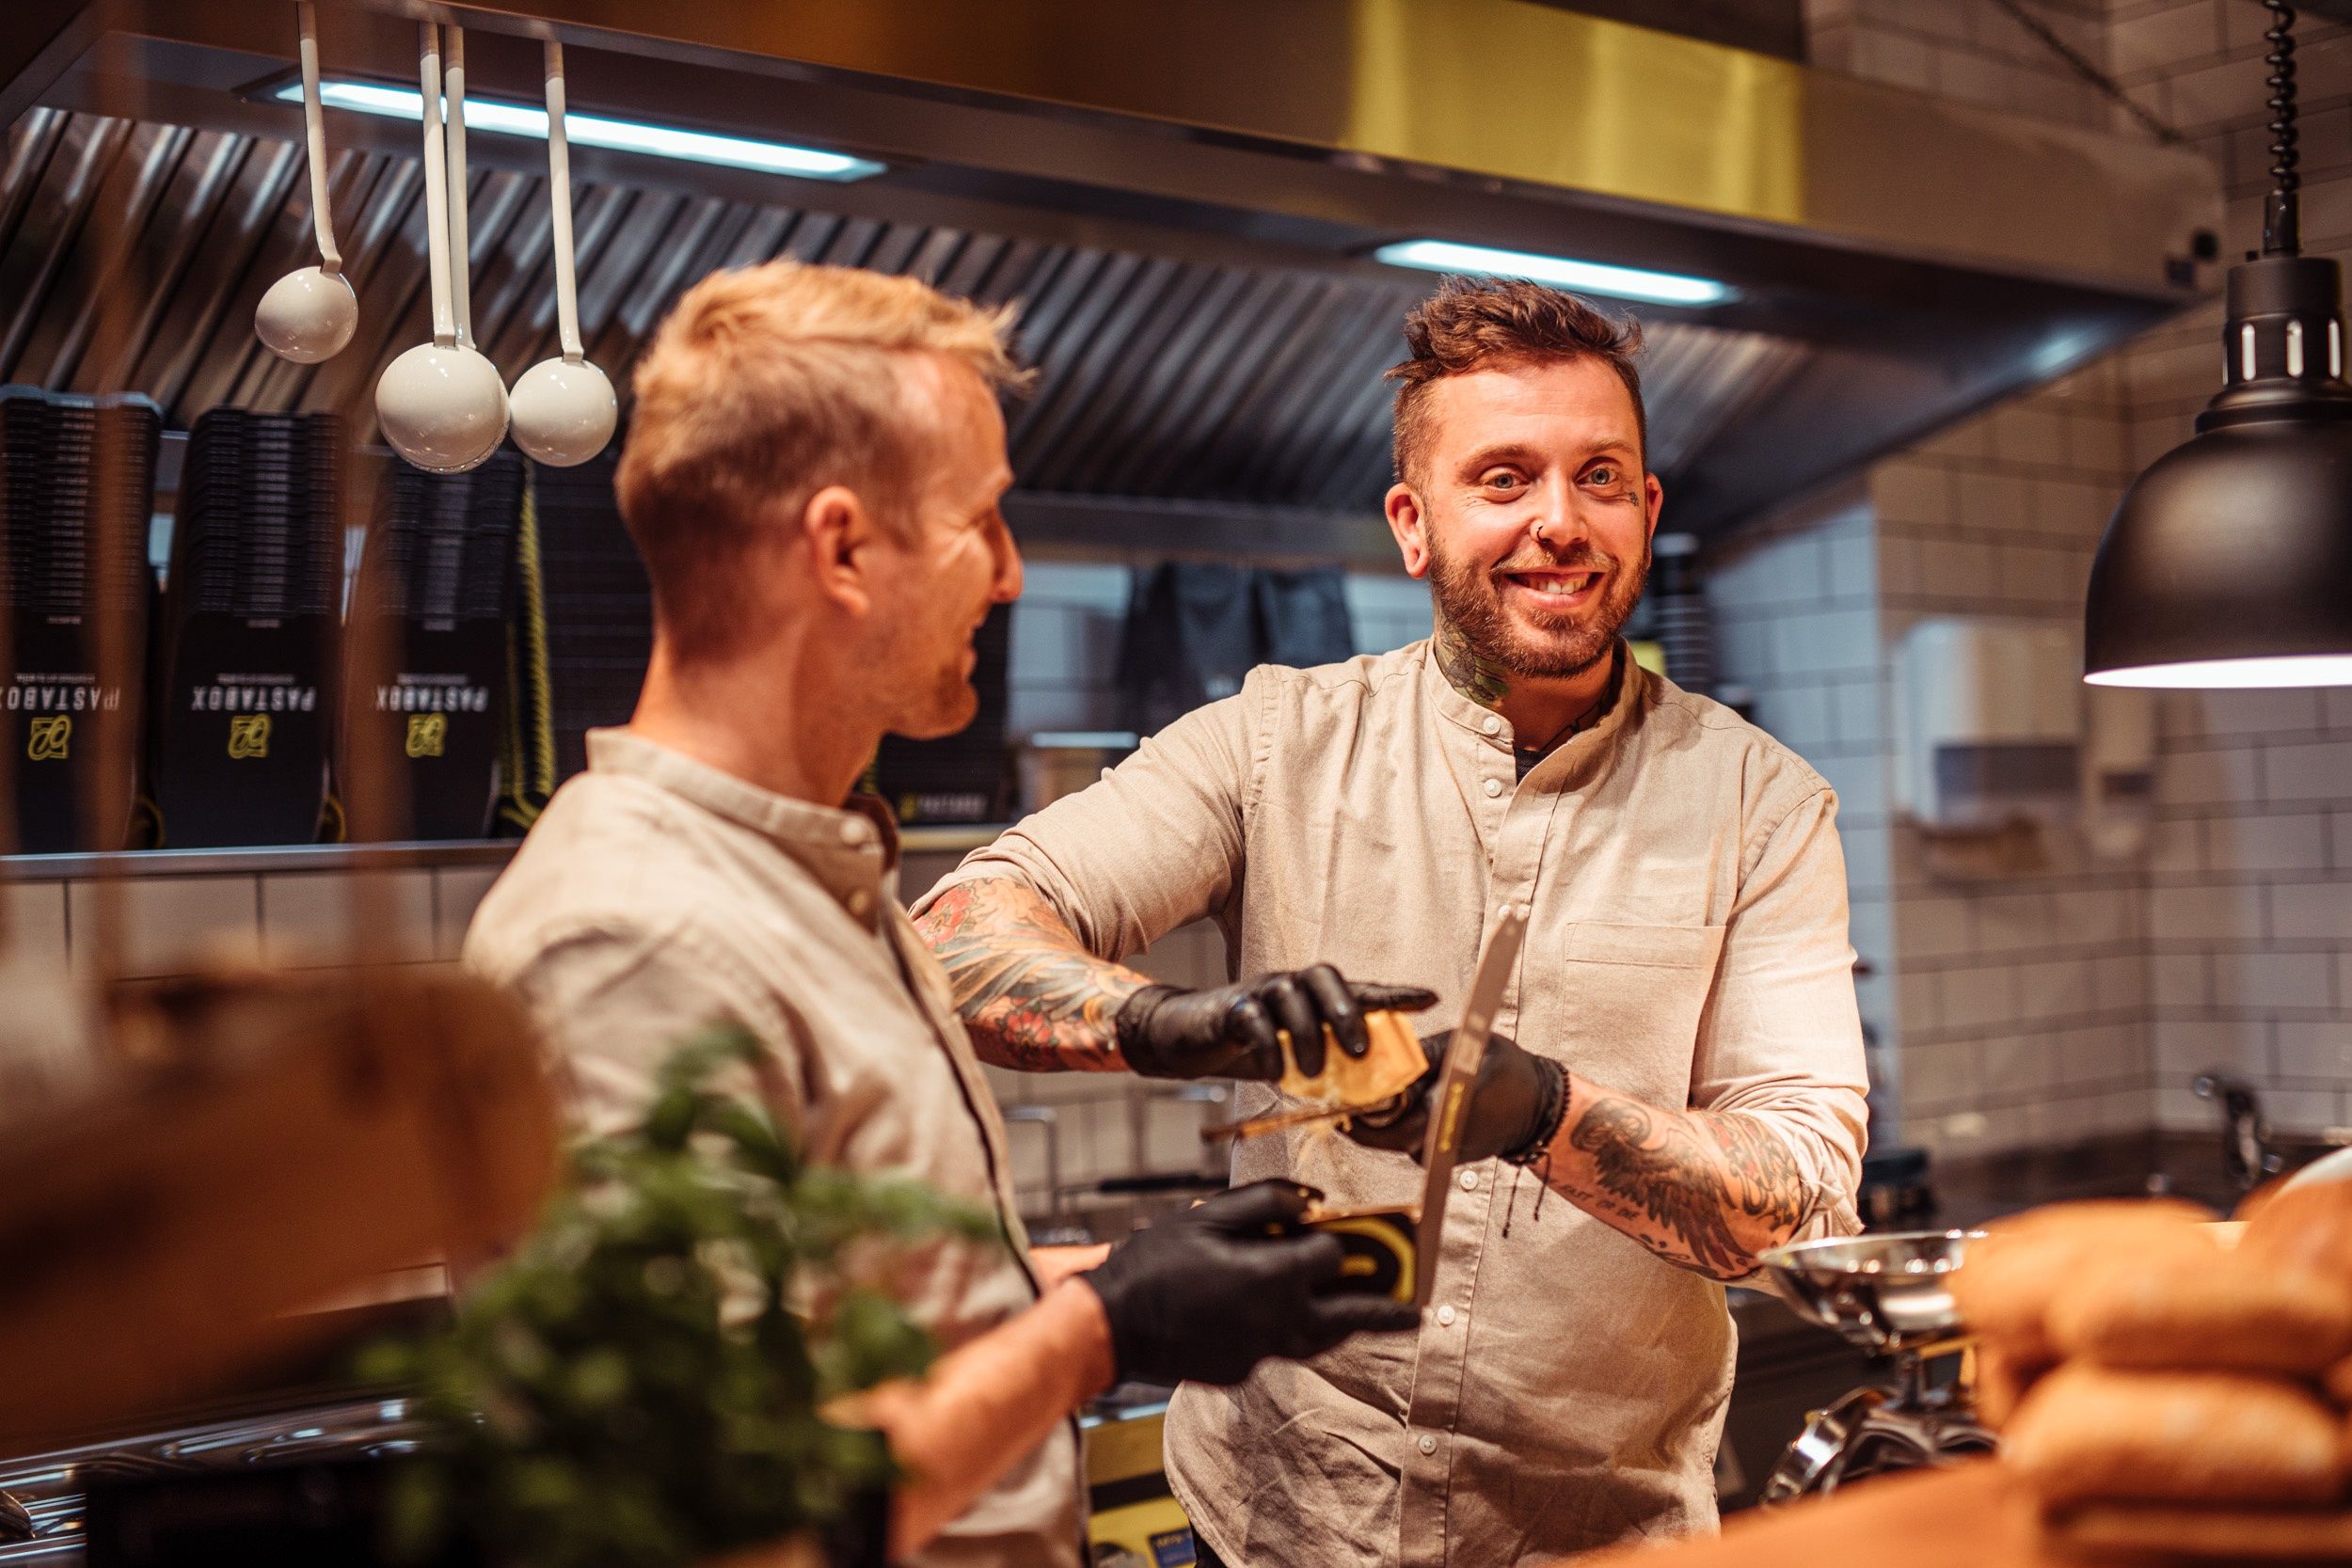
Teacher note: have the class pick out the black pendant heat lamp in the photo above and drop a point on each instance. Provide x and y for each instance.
(2228, 564)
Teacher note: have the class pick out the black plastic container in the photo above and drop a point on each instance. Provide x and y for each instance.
(77, 484)
(250, 632)
(425, 694)
(588, 606)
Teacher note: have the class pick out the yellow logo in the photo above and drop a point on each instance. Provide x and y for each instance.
(427, 734)
(49, 738)
(249, 735)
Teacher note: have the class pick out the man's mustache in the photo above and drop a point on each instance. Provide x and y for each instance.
(1582, 559)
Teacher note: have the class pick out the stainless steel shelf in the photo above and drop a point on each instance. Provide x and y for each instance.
(358, 857)
(286, 857)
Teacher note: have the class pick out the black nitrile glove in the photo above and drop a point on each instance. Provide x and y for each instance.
(1231, 1032)
(1205, 1295)
(1515, 1108)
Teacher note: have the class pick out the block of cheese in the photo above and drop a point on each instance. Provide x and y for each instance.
(1394, 1064)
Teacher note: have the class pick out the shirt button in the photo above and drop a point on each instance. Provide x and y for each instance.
(1492, 723)
(860, 901)
(1470, 1181)
(857, 832)
(1428, 1443)
(1446, 1315)
(1494, 787)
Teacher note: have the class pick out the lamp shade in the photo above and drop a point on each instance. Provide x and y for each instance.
(2229, 562)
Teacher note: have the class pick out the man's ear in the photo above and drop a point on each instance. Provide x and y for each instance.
(1653, 500)
(838, 536)
(1411, 528)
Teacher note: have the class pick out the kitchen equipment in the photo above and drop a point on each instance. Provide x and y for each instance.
(2228, 564)
(309, 315)
(53, 1492)
(564, 408)
(1890, 1295)
(1988, 725)
(1054, 762)
(1680, 618)
(250, 626)
(425, 671)
(591, 604)
(2246, 1151)
(76, 491)
(1394, 1251)
(441, 404)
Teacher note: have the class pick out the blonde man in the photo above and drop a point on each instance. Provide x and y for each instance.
(813, 476)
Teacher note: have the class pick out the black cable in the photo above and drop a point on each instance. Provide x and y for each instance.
(2283, 219)
(2090, 72)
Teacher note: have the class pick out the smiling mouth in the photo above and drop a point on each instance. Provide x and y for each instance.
(1559, 586)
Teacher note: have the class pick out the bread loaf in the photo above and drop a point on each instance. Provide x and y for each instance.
(2013, 1271)
(2090, 1434)
(2002, 1381)
(2224, 1310)
(2309, 1226)
(2338, 1381)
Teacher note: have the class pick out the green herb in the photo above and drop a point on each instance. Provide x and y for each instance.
(640, 1385)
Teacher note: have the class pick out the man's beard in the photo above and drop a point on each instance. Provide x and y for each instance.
(949, 702)
(1471, 601)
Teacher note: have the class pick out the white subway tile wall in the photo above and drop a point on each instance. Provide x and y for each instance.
(2082, 999)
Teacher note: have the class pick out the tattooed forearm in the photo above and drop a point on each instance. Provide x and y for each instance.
(1707, 1190)
(1031, 997)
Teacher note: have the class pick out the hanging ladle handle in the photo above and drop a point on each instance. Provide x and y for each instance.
(314, 131)
(436, 193)
(460, 246)
(560, 204)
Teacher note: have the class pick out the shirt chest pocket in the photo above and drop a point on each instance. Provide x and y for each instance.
(1627, 1001)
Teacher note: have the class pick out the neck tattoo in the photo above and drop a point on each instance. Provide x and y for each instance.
(1481, 680)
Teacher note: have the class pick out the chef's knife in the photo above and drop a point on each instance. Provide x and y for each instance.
(1449, 1103)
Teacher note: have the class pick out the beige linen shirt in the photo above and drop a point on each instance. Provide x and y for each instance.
(1687, 945)
(657, 896)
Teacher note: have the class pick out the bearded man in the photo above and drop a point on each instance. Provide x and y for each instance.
(1678, 1083)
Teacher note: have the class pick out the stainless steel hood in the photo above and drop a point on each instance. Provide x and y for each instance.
(1182, 197)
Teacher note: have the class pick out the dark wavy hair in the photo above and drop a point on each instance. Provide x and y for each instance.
(1471, 323)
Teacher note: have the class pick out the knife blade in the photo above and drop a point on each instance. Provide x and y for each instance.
(1449, 1103)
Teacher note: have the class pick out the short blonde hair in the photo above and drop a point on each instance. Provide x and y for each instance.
(764, 386)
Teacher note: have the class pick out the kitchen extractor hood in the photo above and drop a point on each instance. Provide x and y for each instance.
(1187, 201)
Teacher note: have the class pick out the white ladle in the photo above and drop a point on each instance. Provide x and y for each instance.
(441, 404)
(311, 315)
(564, 409)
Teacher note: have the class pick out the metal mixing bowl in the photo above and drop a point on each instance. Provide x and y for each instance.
(1887, 1292)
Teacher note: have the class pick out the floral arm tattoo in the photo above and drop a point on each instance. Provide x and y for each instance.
(1708, 1190)
(1032, 998)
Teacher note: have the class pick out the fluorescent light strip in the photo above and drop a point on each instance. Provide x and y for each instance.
(1591, 278)
(2234, 674)
(622, 135)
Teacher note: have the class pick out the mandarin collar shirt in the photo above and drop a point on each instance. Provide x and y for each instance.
(1687, 945)
(657, 896)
